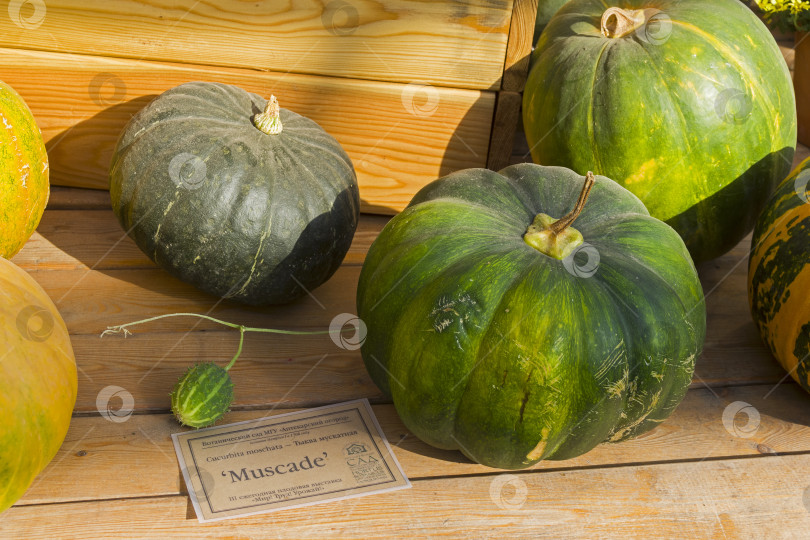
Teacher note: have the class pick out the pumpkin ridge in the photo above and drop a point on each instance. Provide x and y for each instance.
(499, 216)
(674, 104)
(519, 277)
(729, 53)
(591, 121)
(217, 105)
(408, 241)
(523, 196)
(314, 143)
(322, 195)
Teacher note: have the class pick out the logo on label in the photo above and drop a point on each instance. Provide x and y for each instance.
(355, 448)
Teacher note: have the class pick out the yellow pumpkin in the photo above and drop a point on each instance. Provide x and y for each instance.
(24, 186)
(779, 274)
(38, 381)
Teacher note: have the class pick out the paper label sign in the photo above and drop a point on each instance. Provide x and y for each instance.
(286, 461)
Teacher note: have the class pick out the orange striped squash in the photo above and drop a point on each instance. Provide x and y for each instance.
(779, 274)
(24, 185)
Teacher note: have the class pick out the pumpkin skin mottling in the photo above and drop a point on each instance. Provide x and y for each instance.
(39, 382)
(779, 275)
(24, 186)
(488, 346)
(694, 114)
(257, 218)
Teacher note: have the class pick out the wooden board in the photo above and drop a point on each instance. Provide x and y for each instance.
(695, 432)
(400, 137)
(519, 48)
(507, 116)
(452, 43)
(733, 498)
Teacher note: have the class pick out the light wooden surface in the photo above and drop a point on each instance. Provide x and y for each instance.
(519, 47)
(696, 476)
(732, 498)
(399, 137)
(454, 43)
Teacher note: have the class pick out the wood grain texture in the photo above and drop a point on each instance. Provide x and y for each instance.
(96, 447)
(273, 371)
(735, 498)
(441, 42)
(507, 116)
(519, 47)
(67, 198)
(400, 137)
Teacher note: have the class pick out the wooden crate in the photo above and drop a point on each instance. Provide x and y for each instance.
(412, 89)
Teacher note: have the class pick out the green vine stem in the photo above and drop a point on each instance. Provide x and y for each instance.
(123, 329)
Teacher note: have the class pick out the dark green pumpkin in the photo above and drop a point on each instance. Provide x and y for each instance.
(545, 11)
(489, 346)
(691, 108)
(260, 218)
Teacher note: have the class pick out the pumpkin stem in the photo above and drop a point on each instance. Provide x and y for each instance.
(269, 121)
(618, 22)
(555, 237)
(567, 220)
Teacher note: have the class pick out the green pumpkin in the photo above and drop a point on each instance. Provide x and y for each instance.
(545, 11)
(686, 103)
(489, 345)
(260, 207)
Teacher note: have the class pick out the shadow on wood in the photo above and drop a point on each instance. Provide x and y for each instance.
(82, 139)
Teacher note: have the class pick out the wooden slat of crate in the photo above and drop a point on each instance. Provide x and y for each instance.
(519, 48)
(694, 432)
(397, 142)
(732, 498)
(454, 43)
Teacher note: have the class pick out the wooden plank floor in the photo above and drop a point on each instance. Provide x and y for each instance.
(695, 476)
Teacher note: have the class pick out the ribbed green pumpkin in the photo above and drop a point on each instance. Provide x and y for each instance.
(24, 186)
(258, 217)
(779, 274)
(490, 346)
(690, 107)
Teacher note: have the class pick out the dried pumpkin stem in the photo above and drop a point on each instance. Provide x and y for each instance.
(269, 121)
(567, 220)
(618, 22)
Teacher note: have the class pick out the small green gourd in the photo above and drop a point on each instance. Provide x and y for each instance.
(203, 395)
